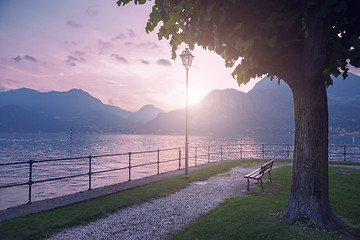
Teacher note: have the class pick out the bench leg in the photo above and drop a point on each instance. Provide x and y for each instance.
(262, 188)
(248, 184)
(270, 177)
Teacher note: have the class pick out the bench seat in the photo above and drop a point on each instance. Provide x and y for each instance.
(259, 173)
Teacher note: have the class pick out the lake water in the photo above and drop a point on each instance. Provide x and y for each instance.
(25, 147)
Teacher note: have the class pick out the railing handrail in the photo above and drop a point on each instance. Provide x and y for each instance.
(162, 150)
(85, 157)
(206, 154)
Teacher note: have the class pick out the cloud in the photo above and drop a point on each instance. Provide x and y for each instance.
(91, 11)
(71, 61)
(74, 24)
(143, 61)
(73, 58)
(70, 43)
(80, 55)
(7, 84)
(17, 59)
(147, 45)
(103, 46)
(3, 88)
(120, 36)
(131, 33)
(30, 58)
(164, 62)
(118, 58)
(26, 57)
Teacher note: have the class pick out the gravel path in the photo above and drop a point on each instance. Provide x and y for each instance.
(164, 216)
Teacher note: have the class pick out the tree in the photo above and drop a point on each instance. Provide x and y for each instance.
(302, 42)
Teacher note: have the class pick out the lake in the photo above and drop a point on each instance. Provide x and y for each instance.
(42, 146)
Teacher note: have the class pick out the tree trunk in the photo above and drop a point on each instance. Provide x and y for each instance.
(309, 197)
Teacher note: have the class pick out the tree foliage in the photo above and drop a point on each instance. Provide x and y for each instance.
(268, 36)
(303, 42)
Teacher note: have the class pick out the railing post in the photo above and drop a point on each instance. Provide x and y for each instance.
(263, 150)
(208, 153)
(129, 166)
(195, 156)
(179, 158)
(344, 153)
(288, 151)
(30, 179)
(241, 153)
(158, 161)
(221, 152)
(89, 173)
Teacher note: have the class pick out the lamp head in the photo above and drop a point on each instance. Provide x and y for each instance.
(186, 57)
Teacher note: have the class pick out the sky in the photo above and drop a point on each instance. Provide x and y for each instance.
(103, 49)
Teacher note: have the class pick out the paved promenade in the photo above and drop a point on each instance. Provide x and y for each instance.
(156, 219)
(48, 204)
(162, 217)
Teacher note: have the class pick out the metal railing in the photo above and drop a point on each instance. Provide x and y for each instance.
(344, 152)
(197, 155)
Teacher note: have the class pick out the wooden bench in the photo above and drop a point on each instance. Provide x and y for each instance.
(259, 173)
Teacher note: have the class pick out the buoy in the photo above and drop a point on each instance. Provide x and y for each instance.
(71, 141)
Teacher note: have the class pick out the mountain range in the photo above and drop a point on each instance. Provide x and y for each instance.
(27, 110)
(267, 108)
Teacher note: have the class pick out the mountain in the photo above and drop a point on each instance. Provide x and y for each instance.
(17, 119)
(229, 111)
(145, 114)
(27, 110)
(344, 105)
(52, 103)
(345, 91)
(267, 108)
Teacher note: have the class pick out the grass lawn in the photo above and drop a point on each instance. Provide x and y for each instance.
(41, 225)
(344, 163)
(237, 218)
(256, 216)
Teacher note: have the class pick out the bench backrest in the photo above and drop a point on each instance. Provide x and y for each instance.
(266, 167)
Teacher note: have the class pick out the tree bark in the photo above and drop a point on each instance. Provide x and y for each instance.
(309, 197)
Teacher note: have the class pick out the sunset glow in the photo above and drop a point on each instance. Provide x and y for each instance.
(194, 97)
(102, 49)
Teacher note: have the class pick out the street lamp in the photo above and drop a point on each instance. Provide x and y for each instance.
(186, 58)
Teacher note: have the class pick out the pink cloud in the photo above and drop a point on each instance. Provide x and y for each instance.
(92, 11)
(74, 24)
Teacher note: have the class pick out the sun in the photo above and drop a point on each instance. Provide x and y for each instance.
(194, 97)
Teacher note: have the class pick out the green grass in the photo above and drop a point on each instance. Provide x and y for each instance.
(345, 197)
(344, 163)
(45, 224)
(256, 216)
(235, 216)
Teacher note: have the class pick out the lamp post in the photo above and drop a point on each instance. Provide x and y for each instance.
(186, 58)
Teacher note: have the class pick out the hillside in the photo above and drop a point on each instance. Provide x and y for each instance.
(267, 108)
(228, 112)
(27, 110)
